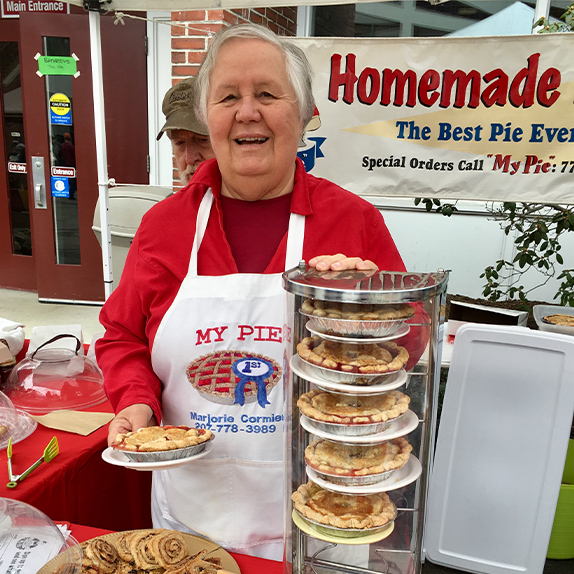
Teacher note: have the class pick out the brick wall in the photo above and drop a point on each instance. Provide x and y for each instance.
(189, 38)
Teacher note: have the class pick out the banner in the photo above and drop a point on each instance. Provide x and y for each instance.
(486, 118)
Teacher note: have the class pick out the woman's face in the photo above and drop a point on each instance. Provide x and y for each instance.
(253, 120)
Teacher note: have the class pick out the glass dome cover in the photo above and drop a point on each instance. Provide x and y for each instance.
(14, 424)
(55, 379)
(29, 539)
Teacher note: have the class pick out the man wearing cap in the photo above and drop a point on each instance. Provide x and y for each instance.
(189, 138)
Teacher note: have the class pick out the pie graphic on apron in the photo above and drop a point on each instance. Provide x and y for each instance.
(234, 377)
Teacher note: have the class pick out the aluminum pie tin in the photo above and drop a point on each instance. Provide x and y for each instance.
(354, 328)
(358, 379)
(345, 532)
(165, 455)
(344, 429)
(355, 480)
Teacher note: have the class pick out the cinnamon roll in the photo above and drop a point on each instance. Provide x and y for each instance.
(101, 555)
(168, 548)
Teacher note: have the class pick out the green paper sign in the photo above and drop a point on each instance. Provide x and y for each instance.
(57, 66)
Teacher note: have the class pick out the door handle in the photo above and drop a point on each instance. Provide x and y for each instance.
(38, 195)
(39, 182)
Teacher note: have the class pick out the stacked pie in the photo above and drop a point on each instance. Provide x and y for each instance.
(357, 464)
(343, 511)
(347, 466)
(356, 319)
(158, 443)
(360, 358)
(356, 311)
(348, 413)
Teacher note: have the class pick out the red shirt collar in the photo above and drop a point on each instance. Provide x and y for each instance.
(208, 175)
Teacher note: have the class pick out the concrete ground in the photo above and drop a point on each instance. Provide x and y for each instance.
(23, 307)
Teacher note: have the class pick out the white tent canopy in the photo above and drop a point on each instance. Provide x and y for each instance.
(512, 20)
(177, 5)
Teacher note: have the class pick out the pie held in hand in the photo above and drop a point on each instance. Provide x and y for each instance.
(345, 409)
(362, 358)
(345, 511)
(346, 460)
(156, 439)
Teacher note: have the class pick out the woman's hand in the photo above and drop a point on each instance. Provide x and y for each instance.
(341, 262)
(131, 419)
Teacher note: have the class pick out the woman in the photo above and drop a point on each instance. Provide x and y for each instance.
(204, 275)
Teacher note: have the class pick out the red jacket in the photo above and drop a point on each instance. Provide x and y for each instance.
(337, 221)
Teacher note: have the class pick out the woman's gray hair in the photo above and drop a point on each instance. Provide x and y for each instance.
(299, 70)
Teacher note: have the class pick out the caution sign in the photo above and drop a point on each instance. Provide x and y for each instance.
(60, 110)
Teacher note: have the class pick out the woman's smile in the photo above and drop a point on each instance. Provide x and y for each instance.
(253, 120)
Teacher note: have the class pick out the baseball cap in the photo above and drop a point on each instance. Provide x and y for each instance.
(178, 109)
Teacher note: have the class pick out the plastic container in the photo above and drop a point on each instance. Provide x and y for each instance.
(126, 207)
(30, 539)
(14, 424)
(541, 311)
(55, 379)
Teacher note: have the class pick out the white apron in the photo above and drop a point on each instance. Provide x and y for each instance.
(217, 326)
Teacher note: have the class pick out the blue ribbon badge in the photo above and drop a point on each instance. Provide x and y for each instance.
(255, 370)
(311, 153)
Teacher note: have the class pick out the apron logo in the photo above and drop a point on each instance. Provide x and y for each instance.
(234, 377)
(256, 371)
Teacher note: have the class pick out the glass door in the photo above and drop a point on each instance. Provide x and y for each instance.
(17, 264)
(62, 178)
(48, 178)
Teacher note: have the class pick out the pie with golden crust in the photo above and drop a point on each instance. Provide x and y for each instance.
(559, 319)
(336, 408)
(351, 460)
(357, 311)
(362, 358)
(156, 438)
(343, 510)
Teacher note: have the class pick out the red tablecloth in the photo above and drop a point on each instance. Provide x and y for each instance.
(247, 564)
(78, 486)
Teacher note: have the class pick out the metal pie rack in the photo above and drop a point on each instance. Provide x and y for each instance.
(396, 549)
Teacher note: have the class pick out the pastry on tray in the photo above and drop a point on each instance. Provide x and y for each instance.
(100, 557)
(345, 409)
(354, 460)
(357, 311)
(153, 551)
(361, 358)
(560, 319)
(344, 511)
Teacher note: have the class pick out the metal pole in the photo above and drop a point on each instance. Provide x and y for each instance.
(101, 150)
(541, 10)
